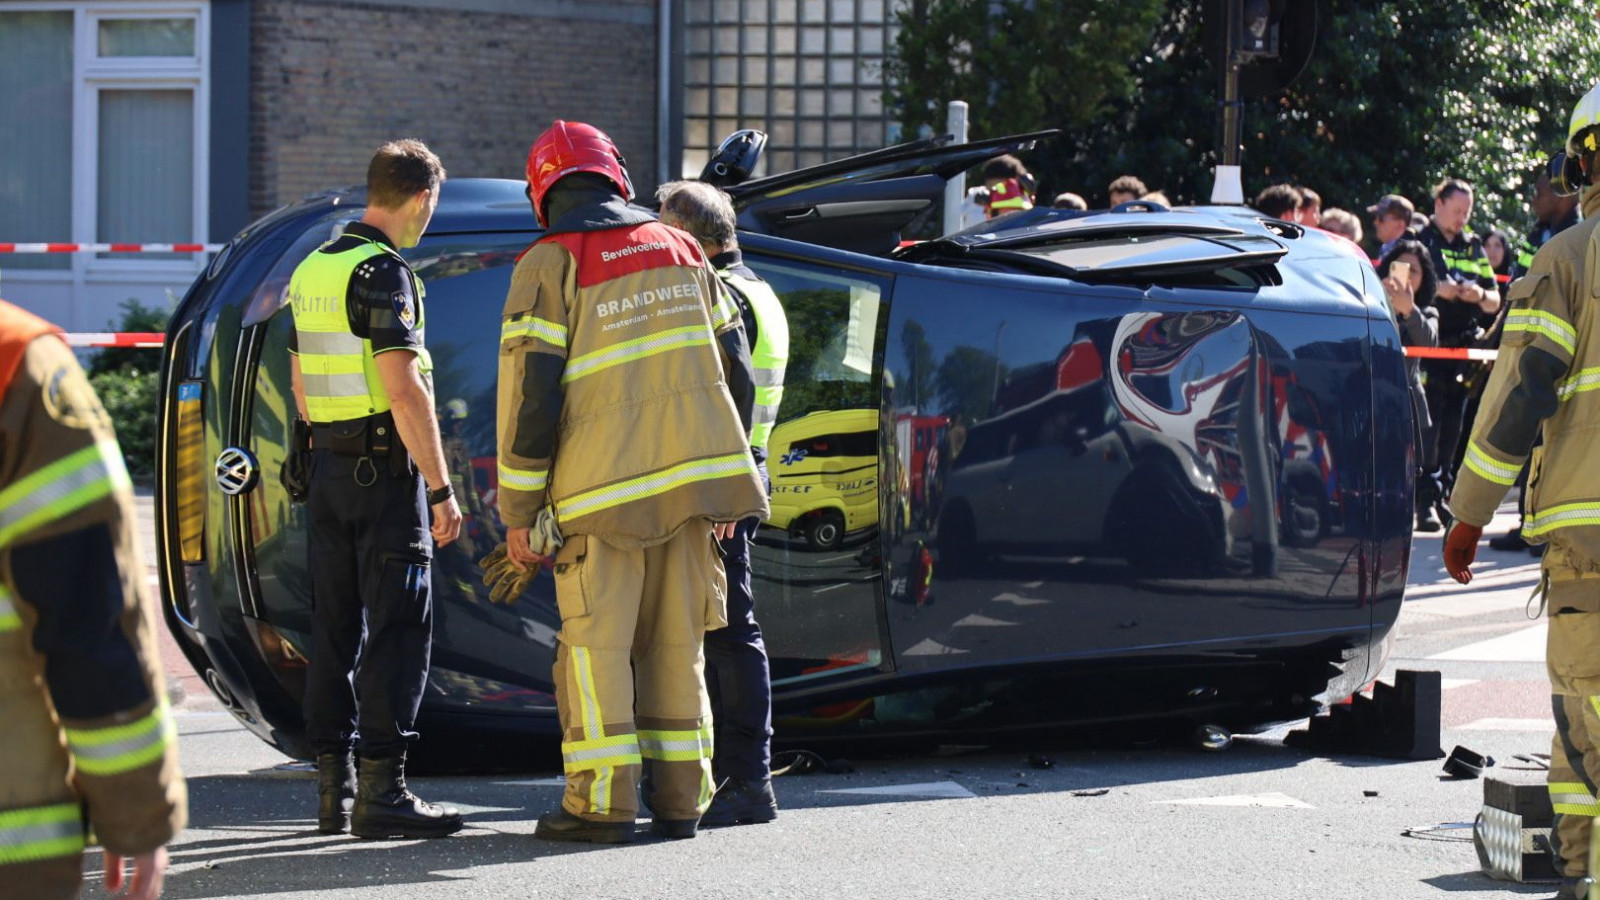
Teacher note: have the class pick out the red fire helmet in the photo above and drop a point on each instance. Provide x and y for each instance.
(568, 147)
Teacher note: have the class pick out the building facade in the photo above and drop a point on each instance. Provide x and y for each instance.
(173, 121)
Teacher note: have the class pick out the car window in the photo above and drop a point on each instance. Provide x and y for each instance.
(465, 278)
(833, 318)
(819, 591)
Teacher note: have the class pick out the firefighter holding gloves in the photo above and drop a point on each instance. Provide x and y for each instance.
(1546, 377)
(88, 740)
(620, 358)
(362, 379)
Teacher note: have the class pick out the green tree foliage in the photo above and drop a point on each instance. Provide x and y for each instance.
(1398, 94)
(127, 381)
(1021, 65)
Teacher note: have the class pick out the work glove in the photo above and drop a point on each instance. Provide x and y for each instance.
(545, 538)
(295, 475)
(506, 582)
(1460, 549)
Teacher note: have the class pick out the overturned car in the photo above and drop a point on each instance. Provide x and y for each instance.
(1147, 466)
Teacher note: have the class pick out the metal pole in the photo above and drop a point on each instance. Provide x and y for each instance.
(956, 189)
(1229, 186)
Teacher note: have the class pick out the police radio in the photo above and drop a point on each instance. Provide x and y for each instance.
(1565, 174)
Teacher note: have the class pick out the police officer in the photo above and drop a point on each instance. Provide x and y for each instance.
(617, 352)
(88, 741)
(1545, 375)
(1466, 301)
(736, 657)
(361, 377)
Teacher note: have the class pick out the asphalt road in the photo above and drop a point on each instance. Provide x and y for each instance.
(1260, 820)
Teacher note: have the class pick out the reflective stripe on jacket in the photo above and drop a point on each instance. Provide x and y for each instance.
(770, 355)
(1547, 375)
(337, 368)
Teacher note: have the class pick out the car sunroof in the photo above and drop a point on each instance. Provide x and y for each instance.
(1154, 252)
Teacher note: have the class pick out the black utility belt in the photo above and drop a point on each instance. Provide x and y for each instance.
(372, 436)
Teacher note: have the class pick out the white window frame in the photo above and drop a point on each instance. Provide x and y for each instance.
(91, 75)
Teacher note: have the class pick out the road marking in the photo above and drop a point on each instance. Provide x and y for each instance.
(1448, 683)
(931, 647)
(556, 781)
(1270, 800)
(1525, 645)
(1017, 600)
(1536, 725)
(933, 790)
(977, 620)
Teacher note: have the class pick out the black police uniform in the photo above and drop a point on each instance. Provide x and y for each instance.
(370, 549)
(737, 673)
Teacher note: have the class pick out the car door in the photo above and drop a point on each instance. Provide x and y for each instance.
(864, 203)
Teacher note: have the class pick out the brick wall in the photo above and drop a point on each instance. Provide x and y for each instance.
(330, 81)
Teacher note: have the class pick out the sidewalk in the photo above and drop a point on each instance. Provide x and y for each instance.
(185, 688)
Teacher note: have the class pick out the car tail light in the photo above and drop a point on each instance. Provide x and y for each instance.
(189, 438)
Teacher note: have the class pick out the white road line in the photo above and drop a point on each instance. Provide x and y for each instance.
(1271, 800)
(933, 790)
(981, 621)
(1448, 683)
(1526, 645)
(1017, 600)
(931, 647)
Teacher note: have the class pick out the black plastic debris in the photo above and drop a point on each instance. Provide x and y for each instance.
(1464, 763)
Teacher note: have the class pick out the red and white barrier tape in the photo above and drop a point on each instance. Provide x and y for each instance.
(115, 338)
(109, 248)
(1472, 353)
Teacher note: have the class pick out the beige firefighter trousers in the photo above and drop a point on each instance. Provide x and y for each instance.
(630, 671)
(1572, 656)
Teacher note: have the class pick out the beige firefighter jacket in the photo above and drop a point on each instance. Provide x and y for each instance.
(1547, 375)
(87, 738)
(613, 391)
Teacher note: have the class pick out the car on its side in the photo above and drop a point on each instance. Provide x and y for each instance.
(1140, 466)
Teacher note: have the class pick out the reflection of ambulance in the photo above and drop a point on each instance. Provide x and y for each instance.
(824, 469)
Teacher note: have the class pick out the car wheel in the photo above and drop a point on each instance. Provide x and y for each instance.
(1304, 521)
(825, 531)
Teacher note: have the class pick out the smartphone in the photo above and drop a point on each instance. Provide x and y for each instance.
(1401, 271)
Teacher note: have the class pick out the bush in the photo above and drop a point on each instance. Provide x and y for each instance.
(128, 382)
(130, 399)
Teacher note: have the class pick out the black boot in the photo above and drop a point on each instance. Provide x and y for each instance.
(740, 802)
(336, 791)
(386, 808)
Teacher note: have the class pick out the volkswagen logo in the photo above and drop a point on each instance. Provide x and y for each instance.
(237, 471)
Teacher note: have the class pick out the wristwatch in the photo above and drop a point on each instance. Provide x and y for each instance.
(440, 495)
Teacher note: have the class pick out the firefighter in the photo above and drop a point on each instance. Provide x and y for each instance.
(362, 379)
(736, 658)
(617, 354)
(1546, 374)
(88, 740)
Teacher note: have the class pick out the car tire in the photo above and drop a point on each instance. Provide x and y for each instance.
(1305, 517)
(825, 530)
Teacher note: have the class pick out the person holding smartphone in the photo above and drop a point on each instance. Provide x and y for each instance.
(1409, 283)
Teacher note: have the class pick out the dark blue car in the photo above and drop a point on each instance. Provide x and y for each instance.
(1170, 481)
